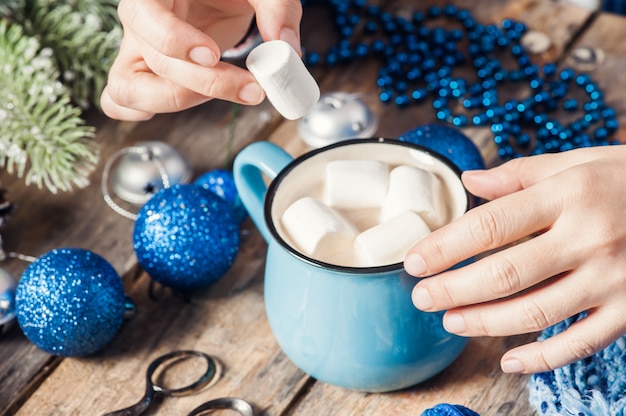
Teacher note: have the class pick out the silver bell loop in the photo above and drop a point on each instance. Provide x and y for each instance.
(140, 174)
(336, 117)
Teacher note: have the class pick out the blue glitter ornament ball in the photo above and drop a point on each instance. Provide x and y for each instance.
(222, 183)
(186, 237)
(445, 409)
(448, 141)
(70, 302)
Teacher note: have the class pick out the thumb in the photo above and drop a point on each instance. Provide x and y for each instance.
(279, 19)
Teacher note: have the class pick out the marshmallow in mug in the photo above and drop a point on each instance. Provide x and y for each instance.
(415, 190)
(317, 229)
(388, 242)
(346, 181)
(289, 86)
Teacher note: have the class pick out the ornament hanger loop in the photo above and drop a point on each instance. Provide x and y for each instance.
(4, 255)
(143, 151)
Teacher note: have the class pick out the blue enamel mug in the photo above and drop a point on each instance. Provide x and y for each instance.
(353, 327)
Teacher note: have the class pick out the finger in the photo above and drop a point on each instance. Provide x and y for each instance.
(158, 26)
(535, 310)
(484, 228)
(223, 80)
(582, 339)
(118, 112)
(280, 19)
(133, 89)
(520, 173)
(497, 276)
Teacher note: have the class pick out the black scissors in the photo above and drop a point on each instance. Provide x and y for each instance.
(153, 388)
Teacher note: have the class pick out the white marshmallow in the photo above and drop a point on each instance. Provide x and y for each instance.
(289, 86)
(387, 243)
(317, 230)
(416, 190)
(353, 184)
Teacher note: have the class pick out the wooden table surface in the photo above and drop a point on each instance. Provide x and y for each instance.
(227, 320)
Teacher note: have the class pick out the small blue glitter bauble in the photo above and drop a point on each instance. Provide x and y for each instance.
(222, 183)
(70, 302)
(445, 409)
(7, 300)
(448, 141)
(186, 237)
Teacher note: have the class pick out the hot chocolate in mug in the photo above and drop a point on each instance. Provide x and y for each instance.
(350, 326)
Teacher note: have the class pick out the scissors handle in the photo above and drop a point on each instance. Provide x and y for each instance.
(202, 381)
(136, 409)
(153, 388)
(233, 403)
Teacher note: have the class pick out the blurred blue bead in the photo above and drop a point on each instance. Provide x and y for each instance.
(70, 302)
(386, 96)
(370, 27)
(570, 104)
(450, 142)
(312, 58)
(601, 133)
(611, 125)
(434, 11)
(549, 69)
(222, 183)
(567, 74)
(419, 94)
(402, 100)
(361, 50)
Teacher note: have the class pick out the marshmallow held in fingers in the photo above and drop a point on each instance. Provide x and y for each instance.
(353, 184)
(316, 229)
(388, 243)
(289, 86)
(417, 190)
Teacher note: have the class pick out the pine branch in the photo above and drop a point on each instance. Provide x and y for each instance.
(10, 8)
(42, 135)
(85, 37)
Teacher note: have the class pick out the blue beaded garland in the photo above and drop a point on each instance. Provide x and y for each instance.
(70, 302)
(419, 60)
(186, 237)
(222, 183)
(448, 141)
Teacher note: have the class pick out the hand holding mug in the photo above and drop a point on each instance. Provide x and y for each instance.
(572, 204)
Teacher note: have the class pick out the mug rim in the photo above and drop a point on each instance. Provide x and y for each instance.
(273, 186)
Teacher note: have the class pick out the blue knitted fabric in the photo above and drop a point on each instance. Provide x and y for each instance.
(595, 386)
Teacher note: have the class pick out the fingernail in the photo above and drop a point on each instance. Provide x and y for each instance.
(290, 36)
(512, 365)
(454, 322)
(251, 93)
(203, 56)
(422, 299)
(415, 265)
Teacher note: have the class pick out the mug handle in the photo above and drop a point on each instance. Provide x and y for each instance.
(250, 163)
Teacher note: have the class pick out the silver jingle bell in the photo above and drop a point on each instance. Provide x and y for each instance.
(337, 116)
(139, 175)
(7, 301)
